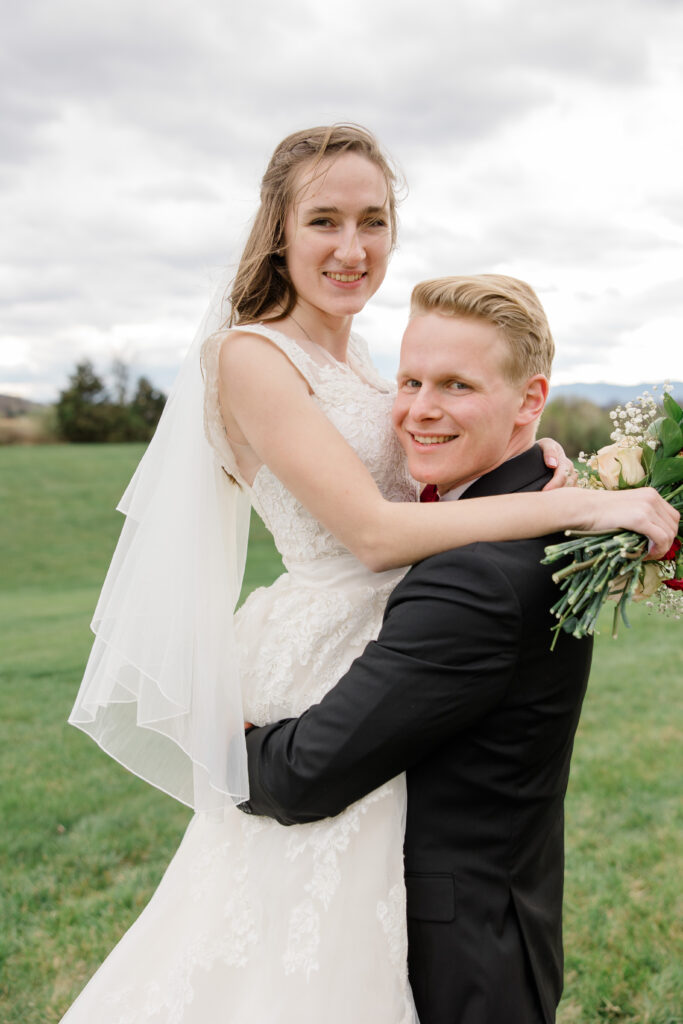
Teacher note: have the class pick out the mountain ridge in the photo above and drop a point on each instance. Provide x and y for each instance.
(608, 395)
(13, 405)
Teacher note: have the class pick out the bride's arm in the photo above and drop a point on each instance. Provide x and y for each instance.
(267, 404)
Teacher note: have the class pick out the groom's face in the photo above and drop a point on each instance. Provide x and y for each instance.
(456, 413)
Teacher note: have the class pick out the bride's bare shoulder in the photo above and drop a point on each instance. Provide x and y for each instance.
(247, 359)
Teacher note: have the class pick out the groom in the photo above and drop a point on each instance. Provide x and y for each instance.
(460, 689)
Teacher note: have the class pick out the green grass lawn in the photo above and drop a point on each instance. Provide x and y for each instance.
(84, 843)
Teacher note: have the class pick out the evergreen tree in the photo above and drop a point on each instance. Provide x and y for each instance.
(86, 412)
(146, 407)
(83, 409)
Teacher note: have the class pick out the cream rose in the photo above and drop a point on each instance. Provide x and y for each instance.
(650, 580)
(615, 457)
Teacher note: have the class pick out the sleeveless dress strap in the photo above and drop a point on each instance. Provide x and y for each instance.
(214, 428)
(297, 355)
(304, 363)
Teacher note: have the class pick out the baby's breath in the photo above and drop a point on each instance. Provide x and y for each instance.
(632, 420)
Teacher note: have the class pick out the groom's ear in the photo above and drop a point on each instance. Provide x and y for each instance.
(533, 397)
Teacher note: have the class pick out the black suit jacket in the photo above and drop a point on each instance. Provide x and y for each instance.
(462, 691)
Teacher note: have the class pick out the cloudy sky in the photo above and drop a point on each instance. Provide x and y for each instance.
(538, 138)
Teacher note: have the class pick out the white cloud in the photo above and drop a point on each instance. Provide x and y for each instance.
(537, 140)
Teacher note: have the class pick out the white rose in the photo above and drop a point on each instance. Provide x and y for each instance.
(614, 458)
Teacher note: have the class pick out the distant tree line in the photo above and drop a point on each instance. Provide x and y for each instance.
(579, 425)
(87, 411)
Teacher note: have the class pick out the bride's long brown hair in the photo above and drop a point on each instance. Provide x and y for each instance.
(262, 282)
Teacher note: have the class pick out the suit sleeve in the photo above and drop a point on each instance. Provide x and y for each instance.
(445, 655)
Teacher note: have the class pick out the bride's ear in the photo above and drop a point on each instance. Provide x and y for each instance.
(532, 400)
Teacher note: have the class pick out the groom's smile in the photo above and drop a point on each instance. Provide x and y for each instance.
(428, 439)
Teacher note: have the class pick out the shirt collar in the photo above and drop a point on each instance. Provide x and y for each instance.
(457, 492)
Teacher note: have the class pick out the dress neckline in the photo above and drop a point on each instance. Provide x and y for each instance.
(353, 365)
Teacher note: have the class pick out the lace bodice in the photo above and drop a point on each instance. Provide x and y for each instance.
(356, 400)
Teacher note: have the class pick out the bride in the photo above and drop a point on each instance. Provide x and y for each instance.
(282, 411)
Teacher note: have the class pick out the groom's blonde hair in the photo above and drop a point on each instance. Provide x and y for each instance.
(509, 304)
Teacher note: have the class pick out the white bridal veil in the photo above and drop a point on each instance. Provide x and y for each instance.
(161, 689)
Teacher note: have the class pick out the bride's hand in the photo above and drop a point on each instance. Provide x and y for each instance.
(641, 510)
(555, 458)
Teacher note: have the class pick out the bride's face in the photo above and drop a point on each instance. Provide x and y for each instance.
(338, 235)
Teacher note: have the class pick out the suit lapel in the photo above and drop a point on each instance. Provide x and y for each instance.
(525, 472)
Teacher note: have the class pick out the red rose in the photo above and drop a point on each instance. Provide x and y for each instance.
(674, 584)
(673, 550)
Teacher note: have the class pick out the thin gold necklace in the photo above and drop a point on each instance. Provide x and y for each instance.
(342, 362)
(292, 317)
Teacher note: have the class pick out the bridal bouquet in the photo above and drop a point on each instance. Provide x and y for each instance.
(647, 450)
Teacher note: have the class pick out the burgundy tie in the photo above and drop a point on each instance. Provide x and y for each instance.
(429, 493)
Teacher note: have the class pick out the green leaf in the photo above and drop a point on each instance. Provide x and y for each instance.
(667, 471)
(647, 457)
(653, 432)
(671, 436)
(672, 408)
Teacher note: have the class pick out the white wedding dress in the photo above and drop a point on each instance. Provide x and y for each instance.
(255, 923)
